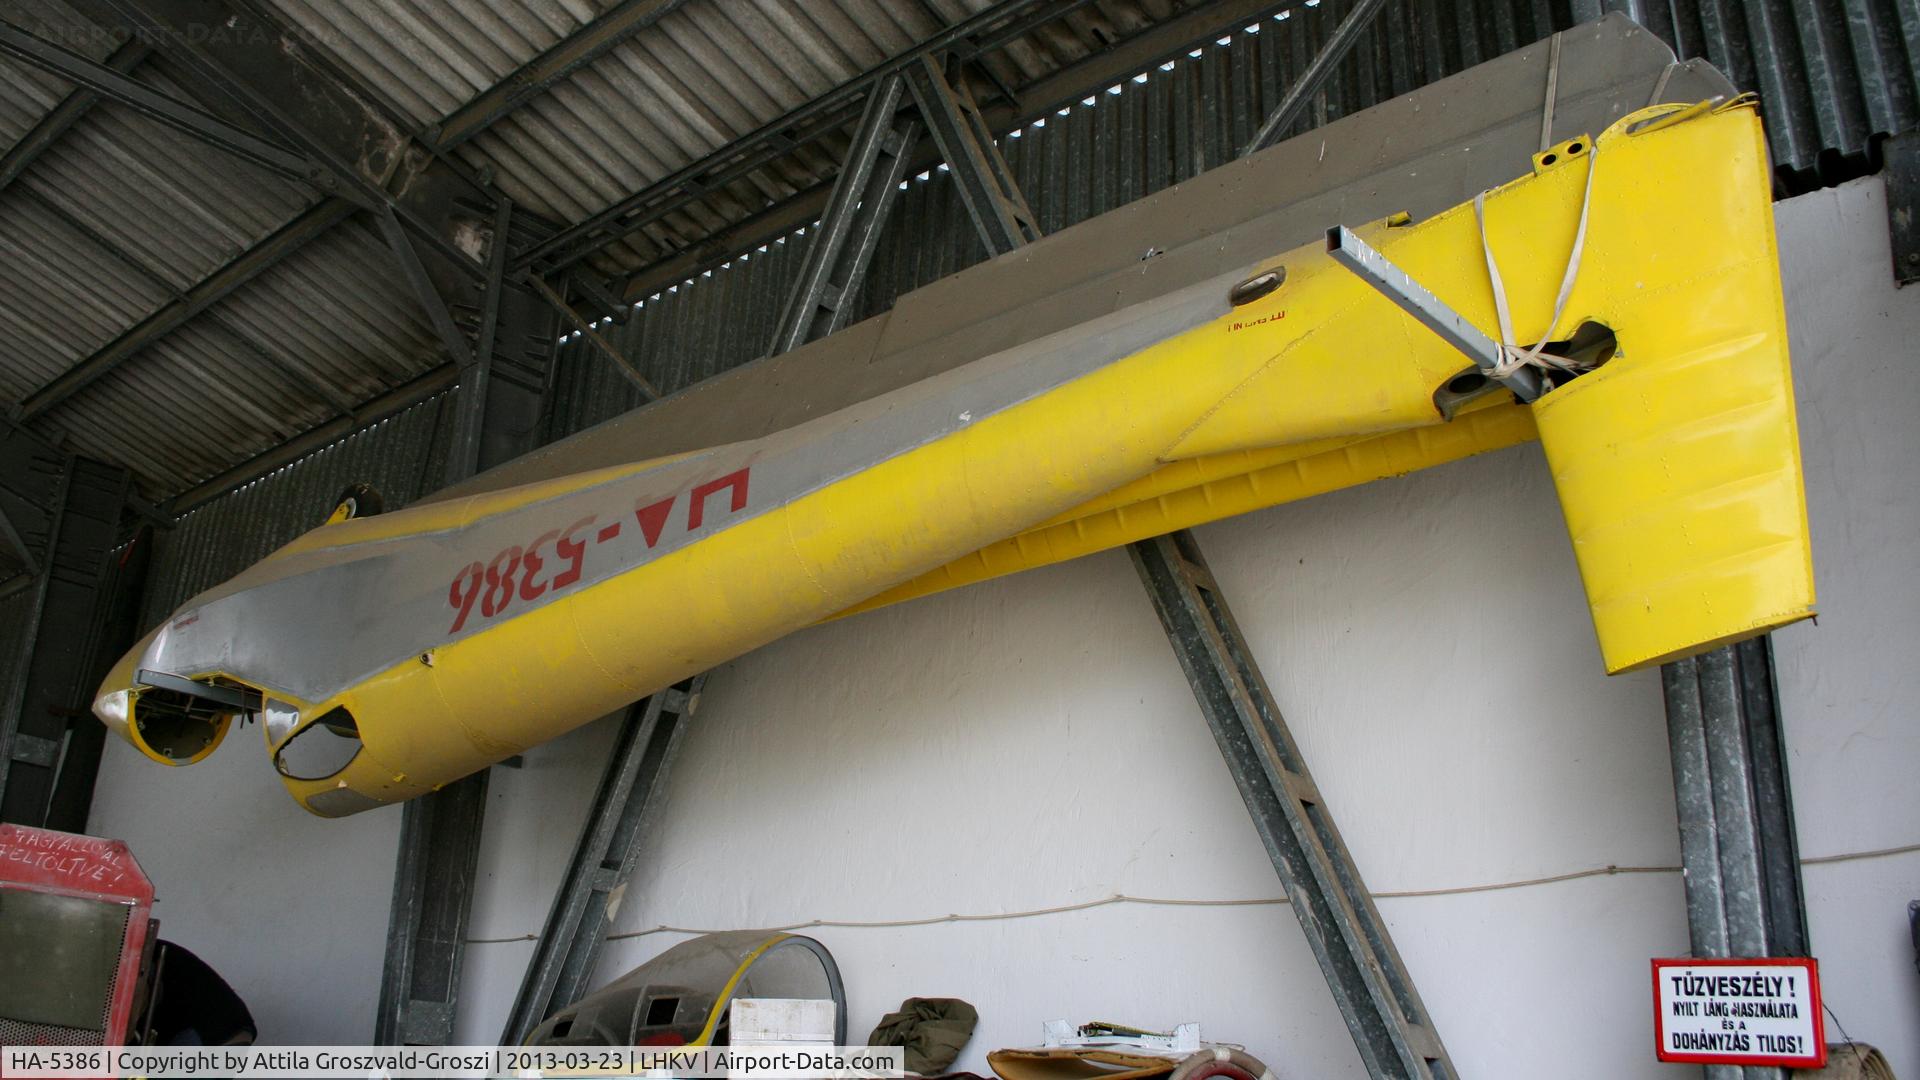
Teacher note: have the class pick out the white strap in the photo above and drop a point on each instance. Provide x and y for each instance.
(1512, 357)
(1660, 87)
(1553, 91)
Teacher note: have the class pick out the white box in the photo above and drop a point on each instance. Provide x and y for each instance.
(780, 1022)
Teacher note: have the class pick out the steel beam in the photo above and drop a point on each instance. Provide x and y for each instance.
(1163, 41)
(992, 197)
(600, 344)
(431, 303)
(535, 77)
(21, 44)
(832, 111)
(1335, 49)
(621, 819)
(823, 298)
(1736, 804)
(1376, 996)
(590, 288)
(54, 687)
(63, 116)
(30, 469)
(234, 328)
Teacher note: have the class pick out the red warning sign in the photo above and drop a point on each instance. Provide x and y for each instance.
(1739, 1012)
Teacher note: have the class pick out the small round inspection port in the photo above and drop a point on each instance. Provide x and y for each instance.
(1574, 148)
(1257, 286)
(1467, 382)
(1549, 159)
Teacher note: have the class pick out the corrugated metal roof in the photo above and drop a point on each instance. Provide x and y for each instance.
(341, 314)
(28, 93)
(171, 202)
(63, 298)
(221, 390)
(429, 57)
(703, 75)
(122, 214)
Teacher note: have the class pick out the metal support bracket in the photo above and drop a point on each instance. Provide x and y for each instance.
(843, 243)
(624, 810)
(1376, 996)
(1414, 298)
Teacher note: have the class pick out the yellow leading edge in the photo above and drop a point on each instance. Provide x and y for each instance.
(1676, 462)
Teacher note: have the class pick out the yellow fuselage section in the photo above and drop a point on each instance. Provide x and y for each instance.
(1676, 461)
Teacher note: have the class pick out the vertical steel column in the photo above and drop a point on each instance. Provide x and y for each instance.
(470, 416)
(829, 286)
(622, 816)
(1735, 806)
(503, 378)
(986, 184)
(115, 627)
(1376, 997)
(54, 686)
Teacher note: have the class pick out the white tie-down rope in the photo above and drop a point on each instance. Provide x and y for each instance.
(1512, 356)
(1610, 870)
(1553, 92)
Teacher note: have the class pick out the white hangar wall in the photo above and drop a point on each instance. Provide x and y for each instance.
(1030, 743)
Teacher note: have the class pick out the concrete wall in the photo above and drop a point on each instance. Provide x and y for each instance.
(1030, 743)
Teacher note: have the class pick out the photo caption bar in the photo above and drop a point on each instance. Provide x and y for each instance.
(778, 1062)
